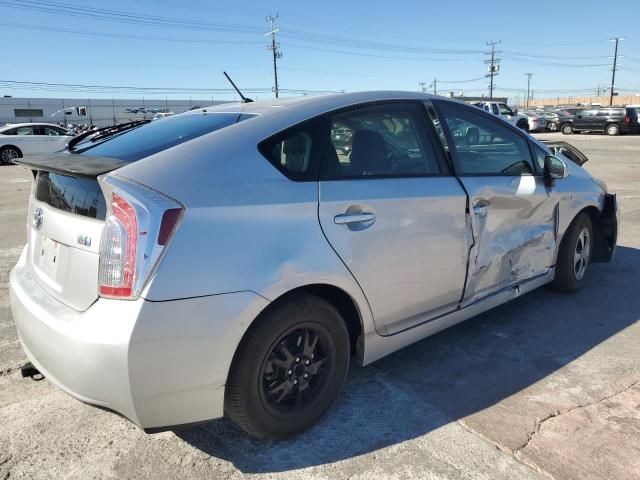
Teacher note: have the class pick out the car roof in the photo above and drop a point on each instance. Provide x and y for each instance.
(314, 105)
(31, 124)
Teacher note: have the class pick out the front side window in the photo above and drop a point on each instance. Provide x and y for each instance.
(483, 145)
(504, 110)
(378, 141)
(51, 132)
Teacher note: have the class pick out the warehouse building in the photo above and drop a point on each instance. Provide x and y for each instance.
(99, 112)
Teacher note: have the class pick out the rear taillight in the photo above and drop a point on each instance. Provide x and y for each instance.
(118, 250)
(627, 120)
(139, 225)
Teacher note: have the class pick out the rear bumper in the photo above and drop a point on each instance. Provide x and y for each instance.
(157, 363)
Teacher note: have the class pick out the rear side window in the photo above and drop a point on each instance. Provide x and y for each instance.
(155, 137)
(378, 141)
(296, 150)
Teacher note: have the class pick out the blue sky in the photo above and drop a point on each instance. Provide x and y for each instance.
(327, 46)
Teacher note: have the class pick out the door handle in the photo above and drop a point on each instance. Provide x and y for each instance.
(347, 218)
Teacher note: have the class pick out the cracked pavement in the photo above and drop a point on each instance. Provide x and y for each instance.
(547, 386)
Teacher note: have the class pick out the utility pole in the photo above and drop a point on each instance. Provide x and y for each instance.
(529, 75)
(275, 49)
(493, 65)
(615, 66)
(435, 86)
(422, 86)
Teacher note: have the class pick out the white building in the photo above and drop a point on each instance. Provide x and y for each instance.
(99, 112)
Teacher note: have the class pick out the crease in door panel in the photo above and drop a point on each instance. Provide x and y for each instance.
(520, 249)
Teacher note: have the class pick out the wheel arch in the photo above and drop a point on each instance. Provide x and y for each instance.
(617, 124)
(342, 301)
(601, 243)
(10, 145)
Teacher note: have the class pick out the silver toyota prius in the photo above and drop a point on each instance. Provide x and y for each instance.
(234, 260)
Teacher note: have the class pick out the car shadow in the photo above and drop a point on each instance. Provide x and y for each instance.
(451, 375)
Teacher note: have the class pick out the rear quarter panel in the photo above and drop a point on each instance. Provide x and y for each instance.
(246, 226)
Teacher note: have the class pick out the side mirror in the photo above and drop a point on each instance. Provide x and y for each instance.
(554, 169)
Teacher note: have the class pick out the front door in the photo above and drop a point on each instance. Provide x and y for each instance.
(512, 212)
(393, 214)
(586, 120)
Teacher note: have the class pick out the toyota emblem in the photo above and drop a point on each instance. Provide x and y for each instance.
(38, 217)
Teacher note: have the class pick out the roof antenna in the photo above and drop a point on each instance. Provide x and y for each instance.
(244, 99)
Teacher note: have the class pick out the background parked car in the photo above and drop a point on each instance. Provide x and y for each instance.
(503, 111)
(610, 120)
(161, 115)
(22, 139)
(537, 120)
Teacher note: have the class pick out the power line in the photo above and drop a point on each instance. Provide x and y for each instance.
(15, 84)
(93, 13)
(133, 37)
(275, 49)
(517, 59)
(463, 81)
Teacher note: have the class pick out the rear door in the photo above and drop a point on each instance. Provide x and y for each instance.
(512, 212)
(392, 212)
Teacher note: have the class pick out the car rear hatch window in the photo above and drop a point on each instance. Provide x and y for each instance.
(67, 207)
(157, 136)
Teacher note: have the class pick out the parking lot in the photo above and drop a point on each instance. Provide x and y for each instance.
(545, 386)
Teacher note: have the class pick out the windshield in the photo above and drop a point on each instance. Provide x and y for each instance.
(154, 137)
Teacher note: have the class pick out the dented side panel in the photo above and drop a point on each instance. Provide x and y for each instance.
(514, 227)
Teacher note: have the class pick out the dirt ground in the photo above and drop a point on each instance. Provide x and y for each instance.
(545, 386)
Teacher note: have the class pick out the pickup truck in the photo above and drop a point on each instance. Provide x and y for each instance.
(501, 110)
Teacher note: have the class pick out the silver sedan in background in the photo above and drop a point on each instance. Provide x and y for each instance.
(233, 260)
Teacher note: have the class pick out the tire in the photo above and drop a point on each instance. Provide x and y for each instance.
(552, 126)
(265, 392)
(566, 128)
(8, 154)
(524, 126)
(612, 129)
(574, 255)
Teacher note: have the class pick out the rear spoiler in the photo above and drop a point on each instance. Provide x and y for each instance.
(568, 150)
(71, 164)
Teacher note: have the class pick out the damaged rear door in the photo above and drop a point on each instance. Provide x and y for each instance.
(512, 214)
